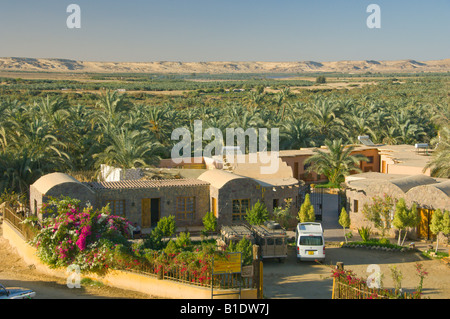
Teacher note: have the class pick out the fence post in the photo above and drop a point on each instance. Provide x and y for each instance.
(256, 271)
(161, 273)
(339, 266)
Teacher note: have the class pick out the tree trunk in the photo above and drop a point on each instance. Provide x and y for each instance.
(406, 233)
(399, 236)
(437, 243)
(345, 237)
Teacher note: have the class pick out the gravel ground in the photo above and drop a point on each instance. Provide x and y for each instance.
(304, 280)
(14, 272)
(310, 280)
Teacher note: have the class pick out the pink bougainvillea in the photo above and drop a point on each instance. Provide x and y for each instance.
(72, 234)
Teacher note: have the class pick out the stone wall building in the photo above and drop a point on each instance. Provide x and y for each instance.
(244, 183)
(227, 193)
(146, 201)
(426, 192)
(55, 185)
(143, 201)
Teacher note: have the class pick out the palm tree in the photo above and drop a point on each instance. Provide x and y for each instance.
(335, 163)
(161, 121)
(130, 149)
(357, 126)
(296, 134)
(52, 109)
(113, 103)
(440, 160)
(391, 136)
(18, 172)
(323, 116)
(255, 99)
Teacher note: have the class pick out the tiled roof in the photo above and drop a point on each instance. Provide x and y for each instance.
(155, 183)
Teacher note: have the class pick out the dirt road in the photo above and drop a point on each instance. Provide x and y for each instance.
(305, 280)
(14, 272)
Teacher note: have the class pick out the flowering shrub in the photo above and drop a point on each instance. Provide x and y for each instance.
(97, 241)
(359, 289)
(85, 237)
(190, 263)
(193, 266)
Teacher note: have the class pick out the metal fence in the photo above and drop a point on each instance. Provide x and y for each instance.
(147, 267)
(15, 219)
(346, 286)
(180, 274)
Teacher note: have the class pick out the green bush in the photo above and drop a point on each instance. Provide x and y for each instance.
(258, 214)
(321, 79)
(365, 233)
(209, 222)
(245, 247)
(183, 241)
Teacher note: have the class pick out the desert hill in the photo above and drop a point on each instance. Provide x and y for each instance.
(65, 65)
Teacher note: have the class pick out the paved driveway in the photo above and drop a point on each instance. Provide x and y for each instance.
(310, 280)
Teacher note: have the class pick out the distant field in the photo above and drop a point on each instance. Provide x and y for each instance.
(94, 83)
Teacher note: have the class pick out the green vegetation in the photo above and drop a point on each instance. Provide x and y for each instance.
(365, 233)
(306, 213)
(258, 214)
(74, 126)
(374, 242)
(379, 212)
(335, 163)
(404, 217)
(321, 79)
(440, 223)
(96, 241)
(344, 221)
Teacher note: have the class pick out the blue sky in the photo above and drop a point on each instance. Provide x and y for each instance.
(232, 30)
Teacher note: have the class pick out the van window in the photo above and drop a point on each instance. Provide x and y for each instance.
(311, 240)
(269, 241)
(279, 241)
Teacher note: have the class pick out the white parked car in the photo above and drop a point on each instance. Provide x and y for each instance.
(310, 241)
(16, 293)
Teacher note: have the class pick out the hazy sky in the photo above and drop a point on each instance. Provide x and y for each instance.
(231, 30)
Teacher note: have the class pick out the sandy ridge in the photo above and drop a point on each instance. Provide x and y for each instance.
(65, 65)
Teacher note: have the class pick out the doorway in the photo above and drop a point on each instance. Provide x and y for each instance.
(423, 229)
(151, 211)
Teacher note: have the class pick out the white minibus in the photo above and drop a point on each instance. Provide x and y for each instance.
(310, 241)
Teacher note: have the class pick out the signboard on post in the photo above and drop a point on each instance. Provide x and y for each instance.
(224, 266)
(232, 264)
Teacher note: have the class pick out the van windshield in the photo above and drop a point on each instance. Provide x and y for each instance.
(311, 241)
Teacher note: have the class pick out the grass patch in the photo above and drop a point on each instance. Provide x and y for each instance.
(92, 283)
(432, 255)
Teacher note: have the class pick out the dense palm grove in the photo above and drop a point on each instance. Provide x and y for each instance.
(46, 131)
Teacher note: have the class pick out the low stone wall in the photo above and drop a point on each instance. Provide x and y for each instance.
(122, 279)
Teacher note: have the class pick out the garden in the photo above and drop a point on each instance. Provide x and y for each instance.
(387, 213)
(97, 241)
(347, 285)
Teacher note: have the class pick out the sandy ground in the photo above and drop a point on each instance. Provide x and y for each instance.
(310, 280)
(58, 65)
(288, 280)
(14, 272)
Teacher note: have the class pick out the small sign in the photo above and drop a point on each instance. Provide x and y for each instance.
(247, 271)
(232, 264)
